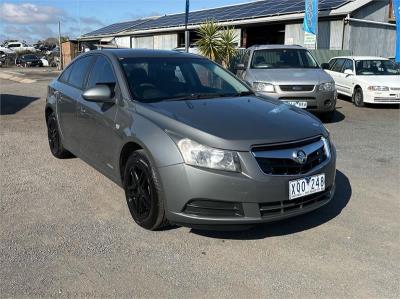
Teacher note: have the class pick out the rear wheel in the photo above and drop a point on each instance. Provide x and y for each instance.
(143, 192)
(358, 97)
(56, 146)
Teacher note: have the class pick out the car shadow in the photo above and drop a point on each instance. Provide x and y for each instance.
(11, 104)
(337, 117)
(292, 225)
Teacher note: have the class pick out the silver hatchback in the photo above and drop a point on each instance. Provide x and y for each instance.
(290, 74)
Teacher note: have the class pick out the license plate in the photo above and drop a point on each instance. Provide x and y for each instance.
(306, 186)
(302, 105)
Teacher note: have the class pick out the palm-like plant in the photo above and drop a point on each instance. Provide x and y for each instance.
(227, 46)
(209, 43)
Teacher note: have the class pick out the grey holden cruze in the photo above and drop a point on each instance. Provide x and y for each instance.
(189, 142)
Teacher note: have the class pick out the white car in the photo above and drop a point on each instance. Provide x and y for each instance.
(20, 47)
(365, 79)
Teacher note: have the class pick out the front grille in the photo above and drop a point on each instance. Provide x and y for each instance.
(276, 208)
(277, 159)
(295, 88)
(211, 208)
(395, 88)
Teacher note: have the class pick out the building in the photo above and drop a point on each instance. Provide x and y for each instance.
(364, 27)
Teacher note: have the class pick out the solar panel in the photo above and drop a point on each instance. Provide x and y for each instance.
(250, 10)
(235, 12)
(116, 28)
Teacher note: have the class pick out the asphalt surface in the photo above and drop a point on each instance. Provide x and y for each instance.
(65, 229)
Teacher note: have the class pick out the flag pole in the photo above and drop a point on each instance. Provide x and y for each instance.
(186, 25)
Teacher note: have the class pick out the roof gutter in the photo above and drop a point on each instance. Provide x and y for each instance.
(348, 19)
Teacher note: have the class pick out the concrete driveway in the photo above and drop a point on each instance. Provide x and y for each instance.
(65, 229)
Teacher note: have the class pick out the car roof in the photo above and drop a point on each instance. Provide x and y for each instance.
(143, 53)
(260, 47)
(361, 57)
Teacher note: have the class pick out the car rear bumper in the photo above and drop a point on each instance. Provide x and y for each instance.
(317, 101)
(195, 196)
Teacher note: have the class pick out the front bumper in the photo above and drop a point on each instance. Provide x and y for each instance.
(252, 191)
(317, 101)
(382, 97)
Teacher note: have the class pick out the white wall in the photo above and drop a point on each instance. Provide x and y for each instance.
(166, 41)
(330, 34)
(143, 42)
(123, 41)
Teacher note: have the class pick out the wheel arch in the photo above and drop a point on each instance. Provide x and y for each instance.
(126, 151)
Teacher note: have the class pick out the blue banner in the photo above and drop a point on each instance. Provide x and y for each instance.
(310, 23)
(396, 8)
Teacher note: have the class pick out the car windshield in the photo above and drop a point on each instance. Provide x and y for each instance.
(376, 67)
(160, 79)
(282, 59)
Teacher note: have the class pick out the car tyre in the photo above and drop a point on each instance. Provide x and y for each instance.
(143, 192)
(55, 144)
(358, 98)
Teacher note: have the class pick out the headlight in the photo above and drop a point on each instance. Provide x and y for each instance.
(263, 87)
(328, 86)
(327, 146)
(204, 156)
(378, 88)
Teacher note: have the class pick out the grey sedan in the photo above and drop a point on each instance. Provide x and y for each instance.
(189, 142)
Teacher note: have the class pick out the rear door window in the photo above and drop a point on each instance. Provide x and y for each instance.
(79, 71)
(337, 67)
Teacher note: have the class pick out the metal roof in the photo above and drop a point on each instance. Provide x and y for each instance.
(118, 27)
(251, 10)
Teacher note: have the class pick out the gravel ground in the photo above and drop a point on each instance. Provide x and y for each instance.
(65, 229)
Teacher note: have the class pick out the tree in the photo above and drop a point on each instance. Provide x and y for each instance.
(216, 43)
(209, 43)
(227, 46)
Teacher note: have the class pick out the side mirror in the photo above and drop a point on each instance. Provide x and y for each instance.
(348, 72)
(100, 93)
(240, 67)
(325, 66)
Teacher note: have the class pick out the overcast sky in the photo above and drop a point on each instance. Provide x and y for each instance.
(37, 19)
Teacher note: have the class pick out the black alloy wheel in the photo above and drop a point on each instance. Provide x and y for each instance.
(142, 192)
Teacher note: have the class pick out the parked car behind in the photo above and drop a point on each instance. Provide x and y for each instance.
(289, 74)
(374, 80)
(28, 60)
(189, 142)
(20, 47)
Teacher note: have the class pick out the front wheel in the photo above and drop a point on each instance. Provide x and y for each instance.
(358, 97)
(143, 192)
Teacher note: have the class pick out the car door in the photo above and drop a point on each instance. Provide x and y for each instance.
(245, 61)
(336, 73)
(68, 90)
(98, 138)
(348, 79)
